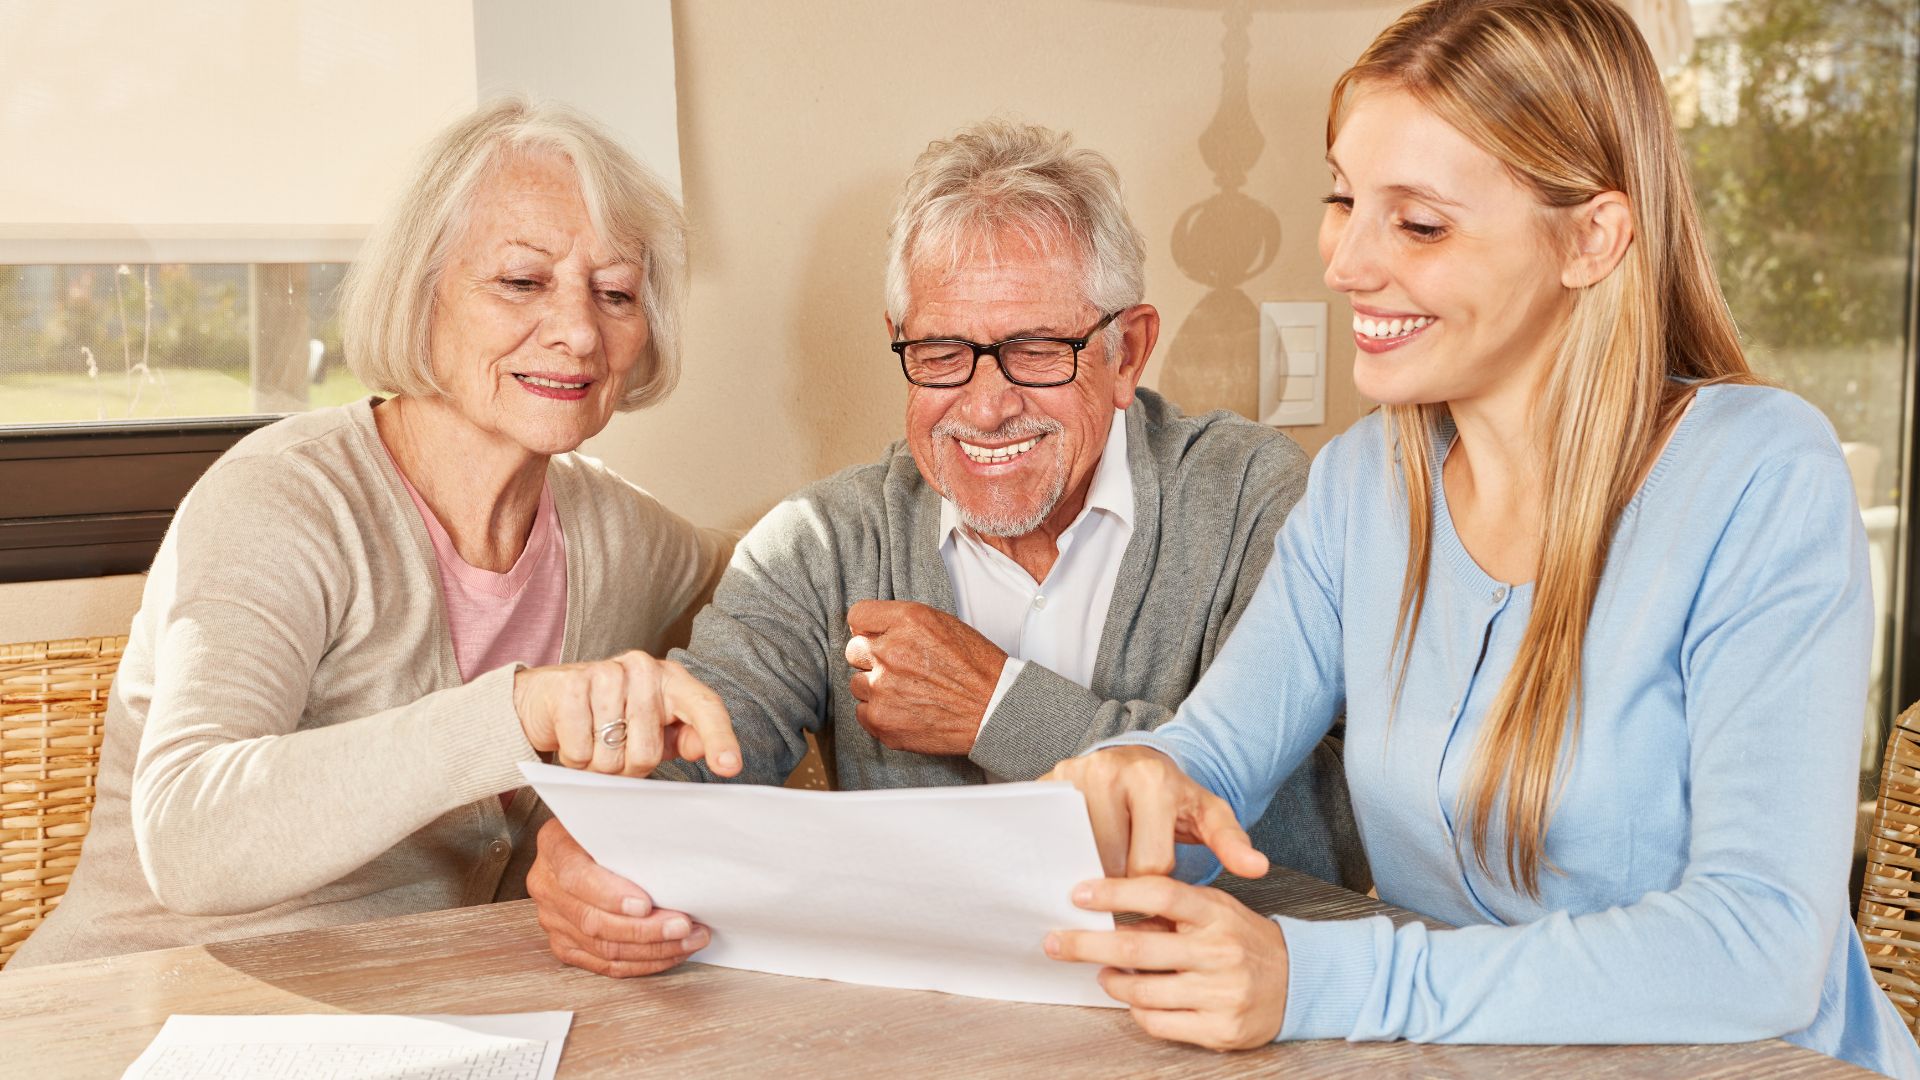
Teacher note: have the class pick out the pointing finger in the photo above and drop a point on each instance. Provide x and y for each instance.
(694, 704)
(1150, 847)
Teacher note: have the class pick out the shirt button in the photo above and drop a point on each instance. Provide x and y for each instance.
(499, 849)
(1039, 603)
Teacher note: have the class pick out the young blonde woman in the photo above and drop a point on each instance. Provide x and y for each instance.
(1593, 601)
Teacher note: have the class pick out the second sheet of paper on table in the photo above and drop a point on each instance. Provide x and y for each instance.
(948, 889)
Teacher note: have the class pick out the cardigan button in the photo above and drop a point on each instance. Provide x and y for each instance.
(499, 849)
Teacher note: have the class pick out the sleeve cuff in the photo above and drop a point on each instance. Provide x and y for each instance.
(1009, 671)
(478, 737)
(1330, 974)
(1039, 722)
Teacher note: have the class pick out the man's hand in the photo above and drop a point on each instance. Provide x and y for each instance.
(598, 920)
(923, 678)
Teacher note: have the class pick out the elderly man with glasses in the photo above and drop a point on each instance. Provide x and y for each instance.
(1051, 557)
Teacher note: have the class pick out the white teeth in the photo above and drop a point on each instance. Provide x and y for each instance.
(995, 455)
(1389, 328)
(551, 384)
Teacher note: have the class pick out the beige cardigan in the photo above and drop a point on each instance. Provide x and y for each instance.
(288, 743)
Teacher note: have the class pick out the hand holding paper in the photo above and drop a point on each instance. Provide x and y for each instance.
(949, 889)
(597, 920)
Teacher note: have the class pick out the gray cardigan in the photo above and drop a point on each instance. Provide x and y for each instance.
(1210, 492)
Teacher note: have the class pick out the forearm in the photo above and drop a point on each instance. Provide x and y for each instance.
(1264, 704)
(1655, 971)
(227, 822)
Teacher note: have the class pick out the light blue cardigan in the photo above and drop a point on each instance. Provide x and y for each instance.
(1699, 847)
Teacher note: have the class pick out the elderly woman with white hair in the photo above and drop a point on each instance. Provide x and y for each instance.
(363, 619)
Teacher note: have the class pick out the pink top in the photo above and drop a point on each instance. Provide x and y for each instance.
(498, 619)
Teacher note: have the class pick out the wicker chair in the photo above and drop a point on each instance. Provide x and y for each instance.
(1889, 900)
(53, 703)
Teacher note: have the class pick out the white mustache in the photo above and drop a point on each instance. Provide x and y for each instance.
(1020, 427)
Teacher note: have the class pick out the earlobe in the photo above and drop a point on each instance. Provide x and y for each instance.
(1605, 233)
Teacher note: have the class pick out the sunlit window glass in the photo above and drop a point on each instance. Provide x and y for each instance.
(173, 341)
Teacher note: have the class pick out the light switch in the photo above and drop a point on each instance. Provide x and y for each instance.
(1293, 370)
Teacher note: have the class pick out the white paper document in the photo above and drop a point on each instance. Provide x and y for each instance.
(951, 888)
(513, 1046)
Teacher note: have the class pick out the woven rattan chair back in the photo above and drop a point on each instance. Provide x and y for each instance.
(1890, 899)
(53, 705)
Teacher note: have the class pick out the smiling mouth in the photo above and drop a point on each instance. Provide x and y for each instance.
(996, 455)
(1395, 329)
(552, 384)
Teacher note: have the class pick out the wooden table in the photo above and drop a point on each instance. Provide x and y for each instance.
(92, 1018)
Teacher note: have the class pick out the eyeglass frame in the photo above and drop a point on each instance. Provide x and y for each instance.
(993, 350)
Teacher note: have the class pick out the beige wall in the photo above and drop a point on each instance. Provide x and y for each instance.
(204, 131)
(798, 122)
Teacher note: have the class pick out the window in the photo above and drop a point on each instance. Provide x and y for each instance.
(1799, 120)
(120, 384)
(189, 186)
(190, 182)
(118, 343)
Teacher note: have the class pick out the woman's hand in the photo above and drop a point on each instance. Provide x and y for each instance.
(624, 715)
(597, 920)
(1141, 804)
(1203, 970)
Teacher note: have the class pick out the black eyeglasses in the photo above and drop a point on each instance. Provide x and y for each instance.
(944, 363)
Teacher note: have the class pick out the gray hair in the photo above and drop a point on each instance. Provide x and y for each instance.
(386, 304)
(1000, 175)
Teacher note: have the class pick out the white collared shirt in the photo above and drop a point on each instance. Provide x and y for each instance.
(1057, 622)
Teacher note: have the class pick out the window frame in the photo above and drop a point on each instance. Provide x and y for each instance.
(65, 516)
(1904, 645)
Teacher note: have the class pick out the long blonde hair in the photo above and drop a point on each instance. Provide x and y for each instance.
(1565, 94)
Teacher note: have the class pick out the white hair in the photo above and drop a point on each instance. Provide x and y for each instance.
(386, 304)
(999, 176)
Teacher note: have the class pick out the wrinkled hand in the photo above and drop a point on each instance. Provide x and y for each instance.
(1217, 978)
(922, 677)
(664, 711)
(597, 920)
(1141, 804)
